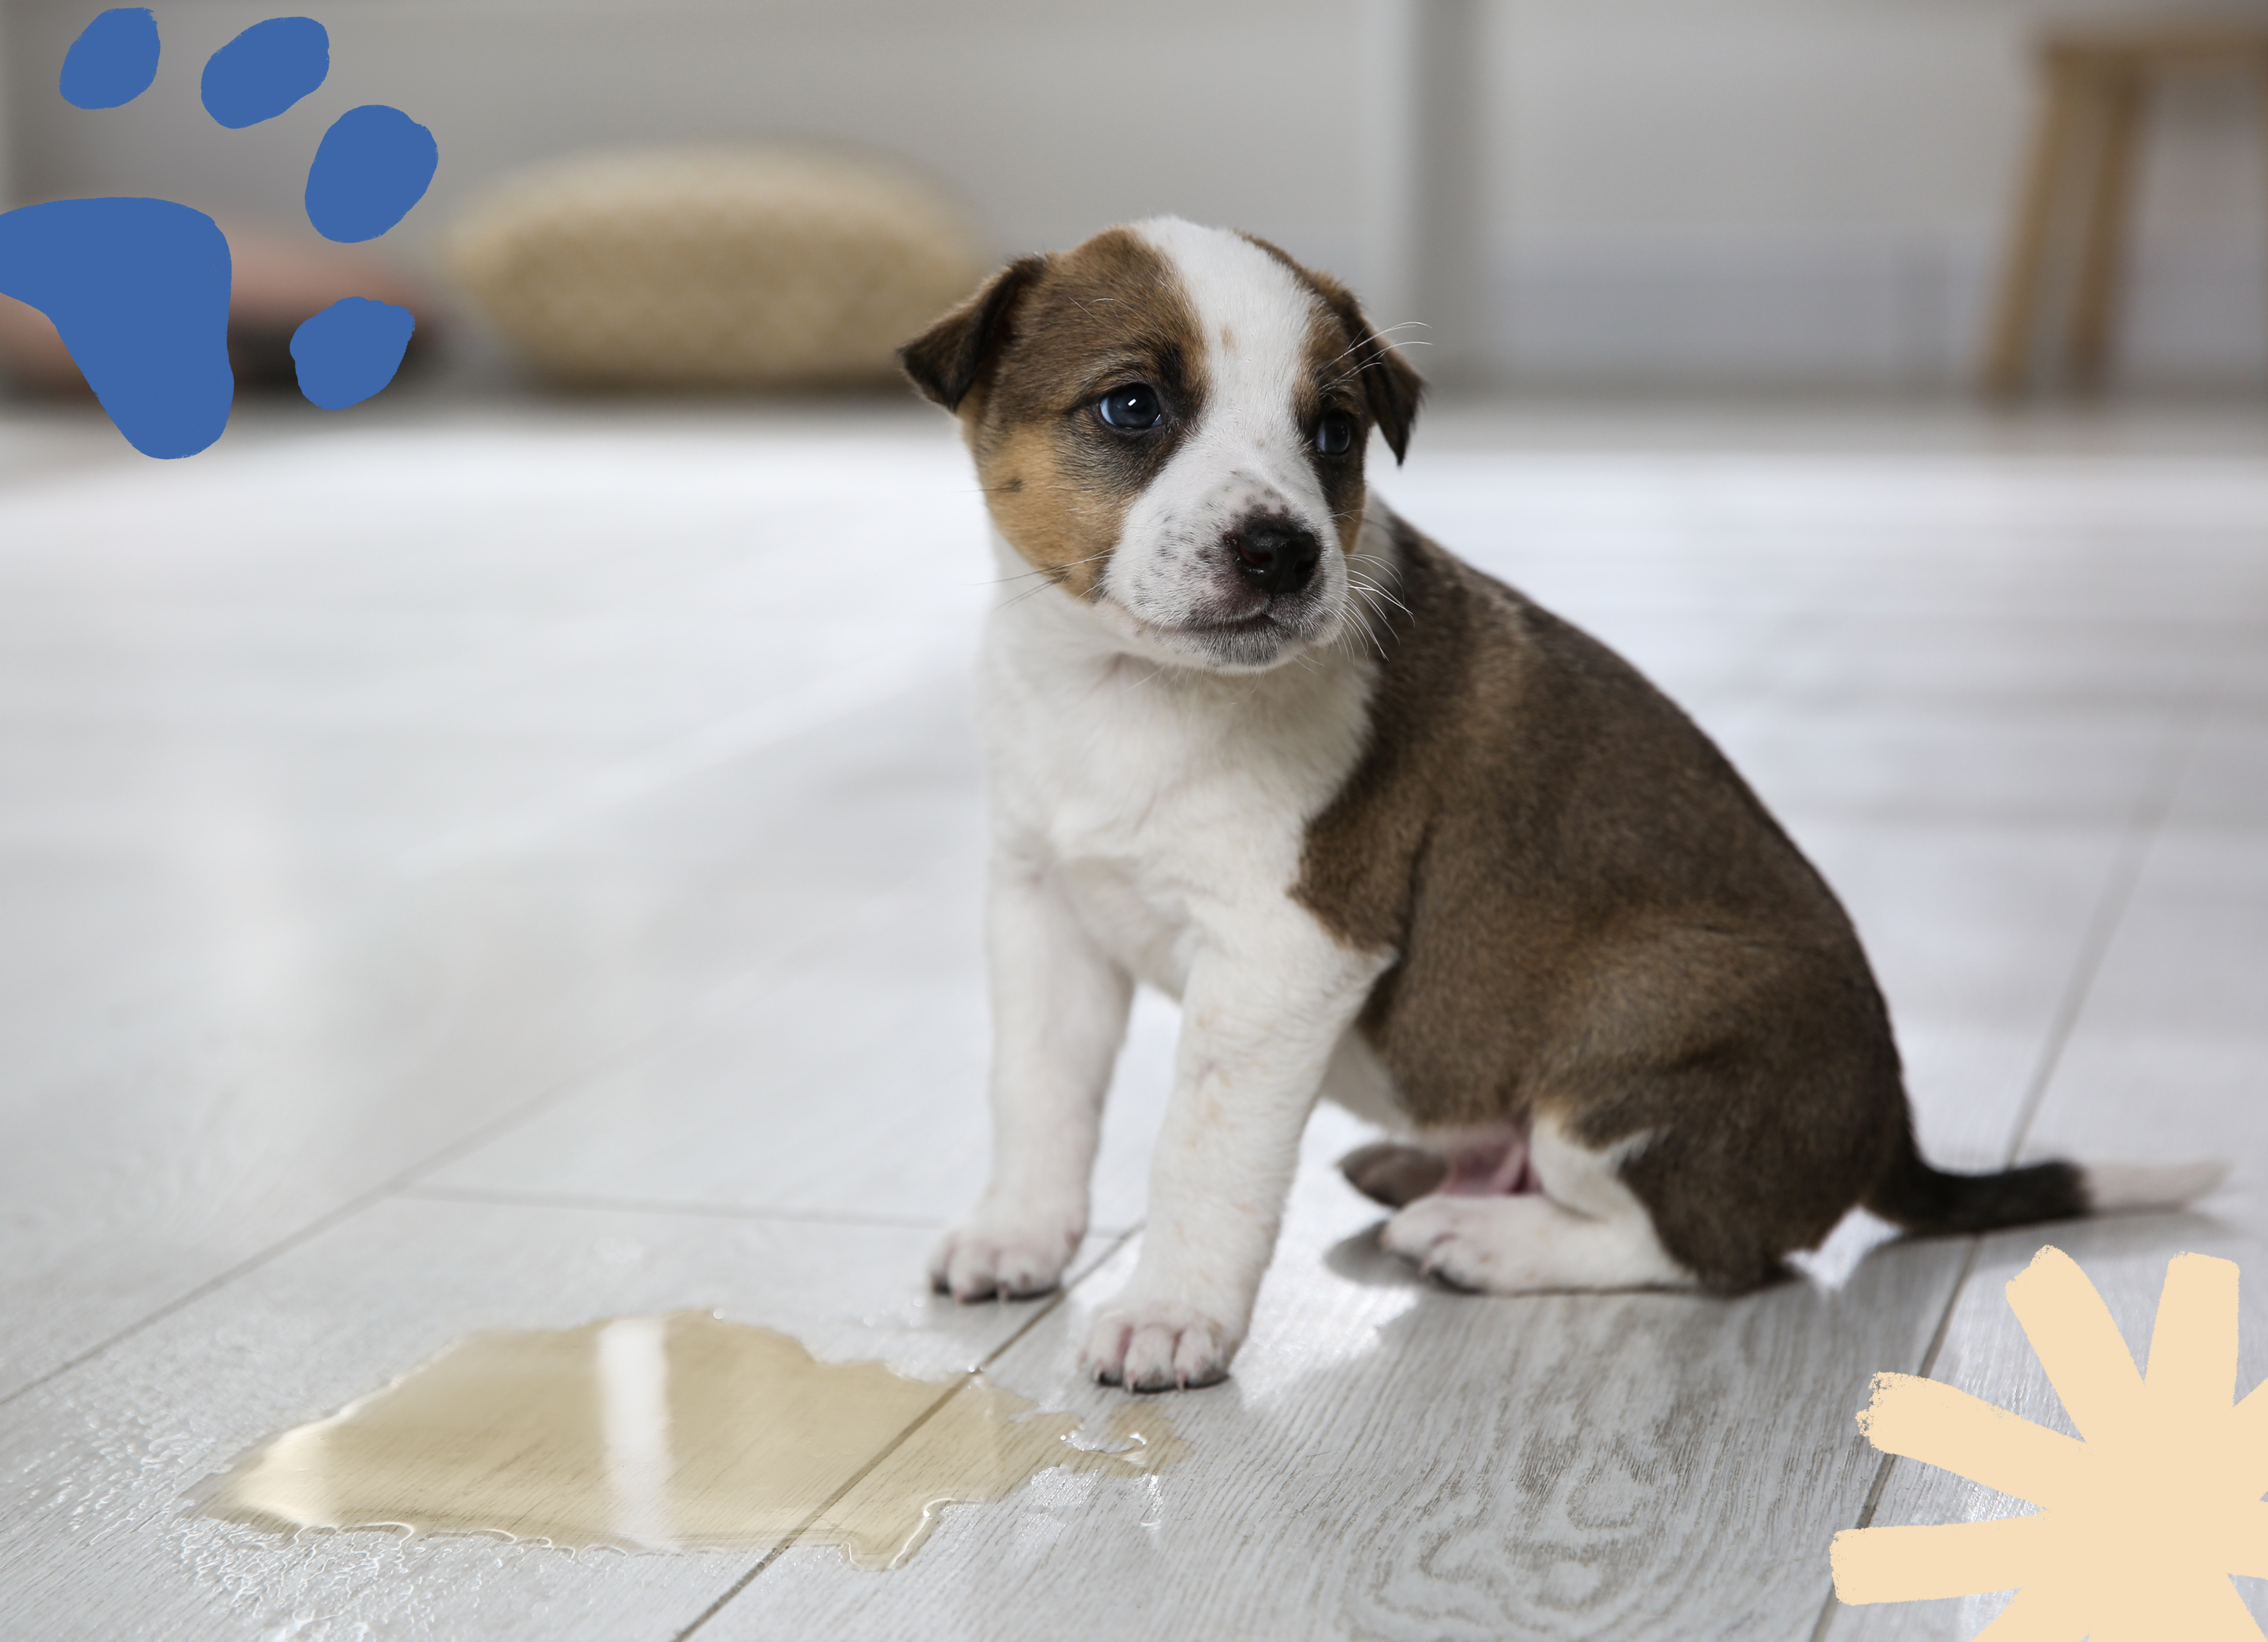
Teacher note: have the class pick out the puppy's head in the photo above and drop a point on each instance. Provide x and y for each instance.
(1169, 424)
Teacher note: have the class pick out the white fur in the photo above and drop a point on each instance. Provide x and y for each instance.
(1147, 824)
(2113, 1187)
(1148, 809)
(1585, 1230)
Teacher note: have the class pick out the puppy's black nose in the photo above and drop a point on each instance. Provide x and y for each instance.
(1275, 555)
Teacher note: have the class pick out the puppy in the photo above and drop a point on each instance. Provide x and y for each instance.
(1388, 830)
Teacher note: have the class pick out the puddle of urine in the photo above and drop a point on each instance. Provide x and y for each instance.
(668, 1433)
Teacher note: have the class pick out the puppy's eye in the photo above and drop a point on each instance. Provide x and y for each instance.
(1132, 408)
(1334, 434)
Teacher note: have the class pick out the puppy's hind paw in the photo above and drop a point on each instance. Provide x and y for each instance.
(1450, 1240)
(1157, 1348)
(998, 1260)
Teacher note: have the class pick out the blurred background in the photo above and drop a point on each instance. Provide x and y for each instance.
(1580, 195)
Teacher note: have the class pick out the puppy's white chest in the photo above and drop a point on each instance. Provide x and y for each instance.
(1169, 807)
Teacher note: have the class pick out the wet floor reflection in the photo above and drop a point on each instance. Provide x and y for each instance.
(670, 1433)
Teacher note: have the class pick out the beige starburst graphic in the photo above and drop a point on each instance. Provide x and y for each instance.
(2140, 1525)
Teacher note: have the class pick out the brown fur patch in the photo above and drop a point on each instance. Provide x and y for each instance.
(1596, 919)
(1076, 325)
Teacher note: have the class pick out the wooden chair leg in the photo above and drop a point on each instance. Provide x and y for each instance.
(2015, 315)
(2263, 97)
(2102, 230)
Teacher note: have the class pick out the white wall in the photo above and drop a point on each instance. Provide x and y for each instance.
(1676, 193)
(1817, 191)
(1050, 118)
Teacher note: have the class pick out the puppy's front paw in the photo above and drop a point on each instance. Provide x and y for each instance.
(1159, 1348)
(997, 1258)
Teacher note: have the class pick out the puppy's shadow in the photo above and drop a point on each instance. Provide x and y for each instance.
(1360, 1259)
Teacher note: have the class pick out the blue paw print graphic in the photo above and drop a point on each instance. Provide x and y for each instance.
(139, 289)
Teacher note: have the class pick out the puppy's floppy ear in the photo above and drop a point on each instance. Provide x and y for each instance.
(1393, 388)
(945, 361)
(1390, 386)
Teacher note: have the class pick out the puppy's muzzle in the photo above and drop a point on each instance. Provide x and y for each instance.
(1274, 556)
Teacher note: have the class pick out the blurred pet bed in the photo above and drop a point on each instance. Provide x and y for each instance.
(714, 267)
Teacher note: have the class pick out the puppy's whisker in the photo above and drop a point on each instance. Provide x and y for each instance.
(1050, 574)
(1378, 584)
(1136, 684)
(1359, 635)
(1372, 591)
(1377, 338)
(1355, 635)
(1039, 587)
(1364, 619)
(1356, 578)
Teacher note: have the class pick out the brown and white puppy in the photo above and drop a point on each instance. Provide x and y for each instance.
(1388, 830)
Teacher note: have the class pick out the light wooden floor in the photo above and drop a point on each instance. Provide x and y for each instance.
(478, 868)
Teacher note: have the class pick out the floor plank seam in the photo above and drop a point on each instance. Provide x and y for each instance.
(502, 1199)
(750, 983)
(2141, 833)
(1929, 1356)
(506, 1197)
(789, 1543)
(635, 777)
(677, 1025)
(211, 1285)
(832, 1500)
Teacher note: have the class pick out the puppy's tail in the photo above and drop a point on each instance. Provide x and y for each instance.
(1931, 1202)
